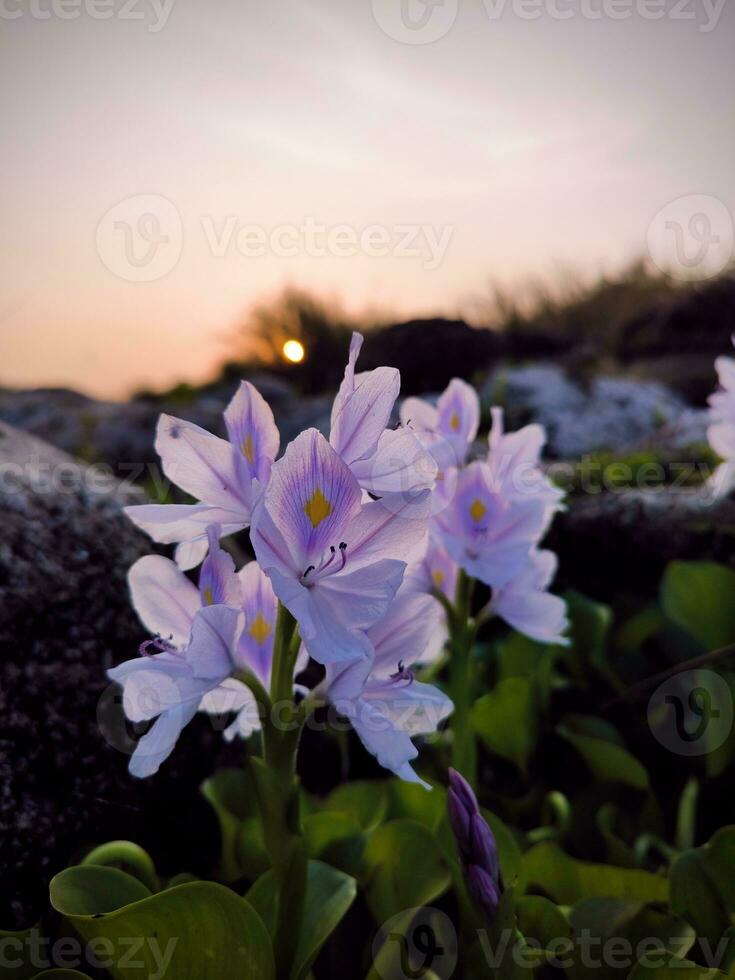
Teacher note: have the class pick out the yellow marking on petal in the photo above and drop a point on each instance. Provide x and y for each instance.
(248, 449)
(317, 507)
(477, 510)
(437, 577)
(454, 421)
(208, 597)
(260, 629)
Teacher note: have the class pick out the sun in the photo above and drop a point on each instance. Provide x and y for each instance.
(293, 350)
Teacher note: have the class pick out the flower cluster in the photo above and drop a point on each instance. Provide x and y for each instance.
(489, 514)
(353, 535)
(333, 524)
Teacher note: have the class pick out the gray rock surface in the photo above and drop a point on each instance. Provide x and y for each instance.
(610, 414)
(65, 617)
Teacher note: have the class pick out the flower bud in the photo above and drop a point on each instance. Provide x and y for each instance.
(478, 851)
(483, 890)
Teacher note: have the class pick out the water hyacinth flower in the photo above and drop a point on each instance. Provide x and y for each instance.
(488, 535)
(224, 475)
(383, 701)
(197, 632)
(448, 429)
(721, 431)
(254, 652)
(335, 562)
(526, 604)
(478, 851)
(384, 461)
(514, 459)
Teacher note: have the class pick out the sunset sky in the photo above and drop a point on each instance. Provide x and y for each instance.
(506, 148)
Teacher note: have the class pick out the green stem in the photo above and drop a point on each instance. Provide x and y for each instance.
(278, 791)
(462, 631)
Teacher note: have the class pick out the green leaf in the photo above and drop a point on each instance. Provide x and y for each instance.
(410, 800)
(403, 867)
(621, 921)
(335, 838)
(366, 801)
(126, 856)
(697, 596)
(608, 762)
(329, 894)
(694, 895)
(506, 720)
(61, 975)
(719, 860)
(676, 969)
(89, 890)
(541, 920)
(568, 881)
(232, 795)
(202, 929)
(686, 817)
(17, 947)
(518, 656)
(590, 624)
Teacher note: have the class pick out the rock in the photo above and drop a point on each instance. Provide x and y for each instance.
(429, 353)
(65, 548)
(611, 414)
(620, 543)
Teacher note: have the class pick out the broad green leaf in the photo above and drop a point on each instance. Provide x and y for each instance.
(232, 795)
(568, 881)
(61, 975)
(518, 656)
(590, 624)
(403, 867)
(410, 800)
(366, 801)
(541, 920)
(329, 894)
(201, 929)
(676, 969)
(336, 839)
(405, 942)
(695, 895)
(608, 763)
(719, 861)
(89, 890)
(635, 928)
(17, 949)
(697, 597)
(126, 856)
(506, 720)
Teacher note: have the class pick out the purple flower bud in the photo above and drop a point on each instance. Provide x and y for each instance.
(462, 789)
(483, 848)
(483, 889)
(476, 844)
(459, 818)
